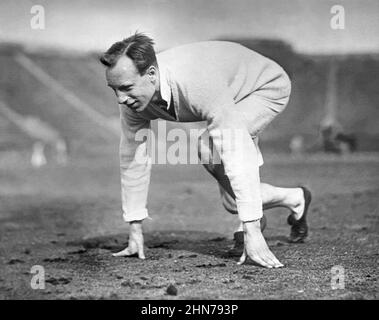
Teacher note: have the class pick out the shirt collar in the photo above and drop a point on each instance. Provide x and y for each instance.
(164, 84)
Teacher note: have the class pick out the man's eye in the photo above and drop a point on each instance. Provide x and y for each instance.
(125, 88)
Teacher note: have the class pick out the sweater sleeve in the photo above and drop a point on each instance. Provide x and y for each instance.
(135, 165)
(234, 145)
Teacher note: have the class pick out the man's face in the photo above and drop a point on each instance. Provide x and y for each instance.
(132, 89)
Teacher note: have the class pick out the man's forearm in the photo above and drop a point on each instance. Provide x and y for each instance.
(135, 167)
(240, 159)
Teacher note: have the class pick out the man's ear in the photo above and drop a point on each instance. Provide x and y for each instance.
(152, 72)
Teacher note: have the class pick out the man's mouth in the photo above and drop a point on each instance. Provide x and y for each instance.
(132, 105)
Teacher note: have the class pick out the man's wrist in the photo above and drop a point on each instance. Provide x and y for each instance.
(135, 221)
(252, 225)
(135, 225)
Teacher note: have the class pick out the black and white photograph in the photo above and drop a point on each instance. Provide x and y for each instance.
(204, 150)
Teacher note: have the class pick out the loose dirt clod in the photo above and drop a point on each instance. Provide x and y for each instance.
(80, 251)
(171, 290)
(15, 261)
(56, 259)
(127, 283)
(58, 281)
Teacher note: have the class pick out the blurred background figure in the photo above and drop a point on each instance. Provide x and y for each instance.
(297, 145)
(38, 158)
(42, 133)
(334, 138)
(61, 154)
(45, 136)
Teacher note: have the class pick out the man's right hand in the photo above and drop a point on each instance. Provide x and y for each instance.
(135, 242)
(256, 248)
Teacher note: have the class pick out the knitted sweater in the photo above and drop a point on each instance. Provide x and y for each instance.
(206, 80)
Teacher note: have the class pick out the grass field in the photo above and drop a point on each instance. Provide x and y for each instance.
(68, 220)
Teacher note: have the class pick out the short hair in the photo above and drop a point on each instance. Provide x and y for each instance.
(138, 47)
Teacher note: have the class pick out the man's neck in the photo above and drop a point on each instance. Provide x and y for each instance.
(157, 97)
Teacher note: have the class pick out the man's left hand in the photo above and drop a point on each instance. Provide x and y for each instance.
(135, 242)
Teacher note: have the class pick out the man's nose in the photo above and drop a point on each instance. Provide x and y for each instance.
(121, 97)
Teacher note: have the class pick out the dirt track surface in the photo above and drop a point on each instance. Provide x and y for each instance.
(68, 221)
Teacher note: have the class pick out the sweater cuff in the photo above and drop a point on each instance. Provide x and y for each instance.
(248, 211)
(135, 215)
